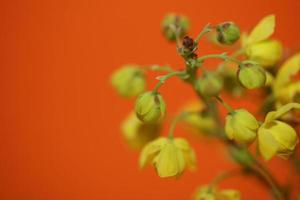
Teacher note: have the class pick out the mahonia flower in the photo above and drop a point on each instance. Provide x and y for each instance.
(227, 33)
(241, 126)
(169, 156)
(209, 193)
(251, 75)
(284, 88)
(173, 22)
(210, 84)
(197, 118)
(129, 80)
(276, 137)
(259, 47)
(138, 134)
(150, 107)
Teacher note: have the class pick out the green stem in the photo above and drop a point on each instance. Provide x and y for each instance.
(205, 30)
(222, 56)
(162, 79)
(224, 175)
(174, 123)
(226, 105)
(160, 68)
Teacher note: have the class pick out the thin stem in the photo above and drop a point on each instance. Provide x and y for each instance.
(205, 30)
(162, 79)
(160, 68)
(226, 105)
(174, 123)
(224, 175)
(222, 56)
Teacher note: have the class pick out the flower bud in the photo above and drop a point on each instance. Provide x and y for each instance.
(173, 22)
(241, 126)
(169, 156)
(138, 134)
(210, 84)
(266, 53)
(251, 75)
(228, 33)
(213, 193)
(150, 107)
(276, 138)
(129, 81)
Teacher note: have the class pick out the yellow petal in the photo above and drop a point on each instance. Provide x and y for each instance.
(281, 111)
(170, 161)
(228, 195)
(151, 150)
(263, 30)
(288, 69)
(267, 144)
(188, 152)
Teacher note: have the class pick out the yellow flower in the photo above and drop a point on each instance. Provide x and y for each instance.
(197, 119)
(212, 193)
(257, 45)
(138, 134)
(169, 156)
(276, 137)
(284, 89)
(241, 126)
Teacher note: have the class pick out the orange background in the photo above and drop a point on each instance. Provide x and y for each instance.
(59, 117)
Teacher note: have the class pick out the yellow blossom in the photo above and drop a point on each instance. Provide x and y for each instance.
(169, 156)
(212, 193)
(241, 126)
(258, 47)
(138, 134)
(276, 137)
(284, 88)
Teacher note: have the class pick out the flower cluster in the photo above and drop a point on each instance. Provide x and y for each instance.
(254, 65)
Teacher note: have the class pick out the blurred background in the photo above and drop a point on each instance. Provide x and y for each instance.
(60, 118)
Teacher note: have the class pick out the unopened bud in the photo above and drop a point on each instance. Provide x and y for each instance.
(172, 23)
(210, 84)
(228, 33)
(251, 75)
(150, 107)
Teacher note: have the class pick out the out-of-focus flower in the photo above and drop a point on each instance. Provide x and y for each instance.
(169, 156)
(241, 126)
(227, 33)
(276, 137)
(212, 193)
(259, 47)
(251, 75)
(129, 80)
(210, 84)
(150, 107)
(138, 134)
(172, 23)
(284, 88)
(197, 118)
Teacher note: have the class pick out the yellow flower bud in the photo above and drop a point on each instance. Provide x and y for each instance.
(251, 75)
(276, 137)
(210, 84)
(227, 33)
(138, 134)
(150, 107)
(266, 53)
(212, 193)
(241, 126)
(169, 156)
(129, 81)
(173, 22)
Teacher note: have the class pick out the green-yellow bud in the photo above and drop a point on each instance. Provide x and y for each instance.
(138, 134)
(210, 84)
(276, 138)
(241, 126)
(150, 107)
(251, 75)
(228, 33)
(129, 80)
(173, 22)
